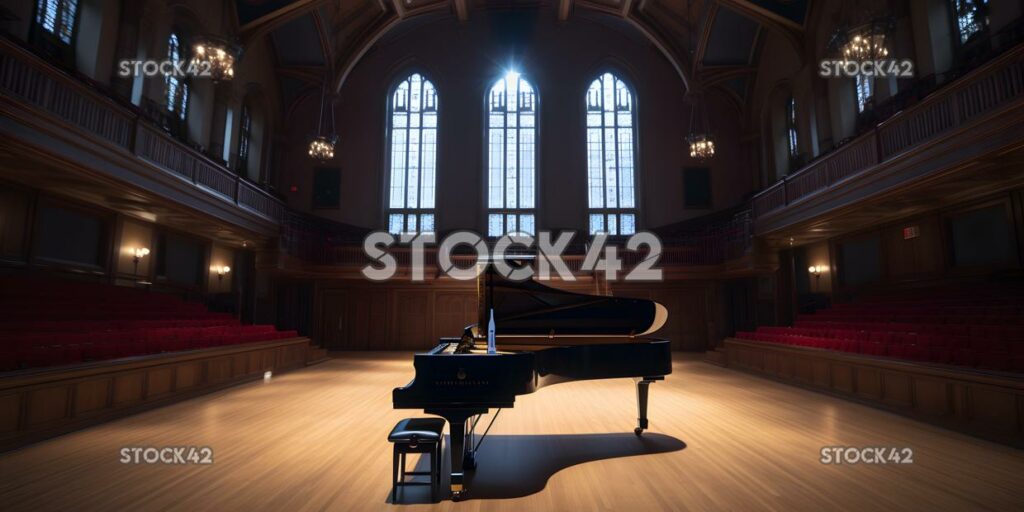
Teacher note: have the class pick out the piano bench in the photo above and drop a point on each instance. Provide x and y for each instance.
(416, 435)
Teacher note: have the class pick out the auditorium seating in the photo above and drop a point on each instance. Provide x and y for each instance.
(58, 322)
(979, 326)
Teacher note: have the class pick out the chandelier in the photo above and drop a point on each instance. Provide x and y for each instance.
(862, 38)
(321, 147)
(702, 144)
(218, 54)
(702, 147)
(861, 48)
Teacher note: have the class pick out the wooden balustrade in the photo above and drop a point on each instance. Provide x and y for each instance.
(979, 92)
(33, 81)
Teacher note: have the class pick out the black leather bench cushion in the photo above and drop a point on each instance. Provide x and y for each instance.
(420, 429)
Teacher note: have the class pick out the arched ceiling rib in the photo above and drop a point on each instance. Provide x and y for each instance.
(710, 43)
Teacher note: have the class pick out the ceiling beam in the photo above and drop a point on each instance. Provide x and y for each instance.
(718, 74)
(564, 9)
(461, 8)
(250, 31)
(324, 31)
(790, 30)
(311, 74)
(399, 8)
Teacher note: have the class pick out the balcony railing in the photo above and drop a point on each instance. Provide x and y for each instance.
(34, 81)
(979, 92)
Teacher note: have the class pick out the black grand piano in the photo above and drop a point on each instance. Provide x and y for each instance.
(544, 336)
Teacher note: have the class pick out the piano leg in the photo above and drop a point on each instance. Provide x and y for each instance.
(642, 385)
(459, 450)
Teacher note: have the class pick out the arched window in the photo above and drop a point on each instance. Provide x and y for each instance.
(970, 17)
(610, 160)
(57, 17)
(177, 87)
(863, 87)
(244, 136)
(511, 156)
(413, 156)
(794, 150)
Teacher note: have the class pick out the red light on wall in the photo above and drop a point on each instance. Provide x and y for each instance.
(294, 188)
(911, 232)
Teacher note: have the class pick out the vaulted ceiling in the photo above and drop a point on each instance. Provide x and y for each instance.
(711, 43)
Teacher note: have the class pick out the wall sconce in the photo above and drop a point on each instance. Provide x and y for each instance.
(815, 270)
(137, 255)
(221, 270)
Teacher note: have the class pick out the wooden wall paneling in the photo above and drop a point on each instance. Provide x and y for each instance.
(986, 405)
(39, 404)
(15, 221)
(412, 317)
(453, 312)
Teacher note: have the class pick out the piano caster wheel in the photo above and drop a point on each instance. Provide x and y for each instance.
(638, 431)
(458, 495)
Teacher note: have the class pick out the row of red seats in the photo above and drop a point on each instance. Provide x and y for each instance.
(38, 326)
(1007, 333)
(981, 338)
(1006, 319)
(37, 356)
(993, 360)
(47, 323)
(33, 339)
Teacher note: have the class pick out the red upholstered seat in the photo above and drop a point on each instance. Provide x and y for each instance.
(49, 323)
(979, 327)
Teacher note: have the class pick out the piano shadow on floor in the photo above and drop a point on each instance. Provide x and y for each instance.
(513, 466)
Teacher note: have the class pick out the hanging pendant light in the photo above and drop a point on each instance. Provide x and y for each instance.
(321, 147)
(862, 33)
(216, 55)
(700, 140)
(702, 144)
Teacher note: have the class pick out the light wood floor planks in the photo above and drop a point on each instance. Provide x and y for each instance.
(315, 439)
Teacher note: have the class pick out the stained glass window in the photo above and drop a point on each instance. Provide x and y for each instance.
(864, 92)
(610, 160)
(245, 132)
(791, 127)
(970, 17)
(57, 17)
(511, 156)
(177, 87)
(413, 156)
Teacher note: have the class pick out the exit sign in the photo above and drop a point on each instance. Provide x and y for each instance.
(911, 232)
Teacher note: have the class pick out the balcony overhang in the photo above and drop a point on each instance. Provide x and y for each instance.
(59, 135)
(964, 142)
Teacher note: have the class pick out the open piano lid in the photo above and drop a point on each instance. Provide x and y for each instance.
(531, 309)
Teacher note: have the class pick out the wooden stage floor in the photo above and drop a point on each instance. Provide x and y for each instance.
(315, 439)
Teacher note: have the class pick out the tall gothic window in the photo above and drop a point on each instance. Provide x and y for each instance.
(970, 17)
(610, 160)
(57, 17)
(244, 134)
(864, 91)
(413, 156)
(791, 127)
(177, 87)
(511, 156)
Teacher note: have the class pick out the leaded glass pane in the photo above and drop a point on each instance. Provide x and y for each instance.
(413, 154)
(511, 151)
(611, 175)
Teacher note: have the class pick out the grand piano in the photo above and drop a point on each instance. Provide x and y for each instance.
(544, 336)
